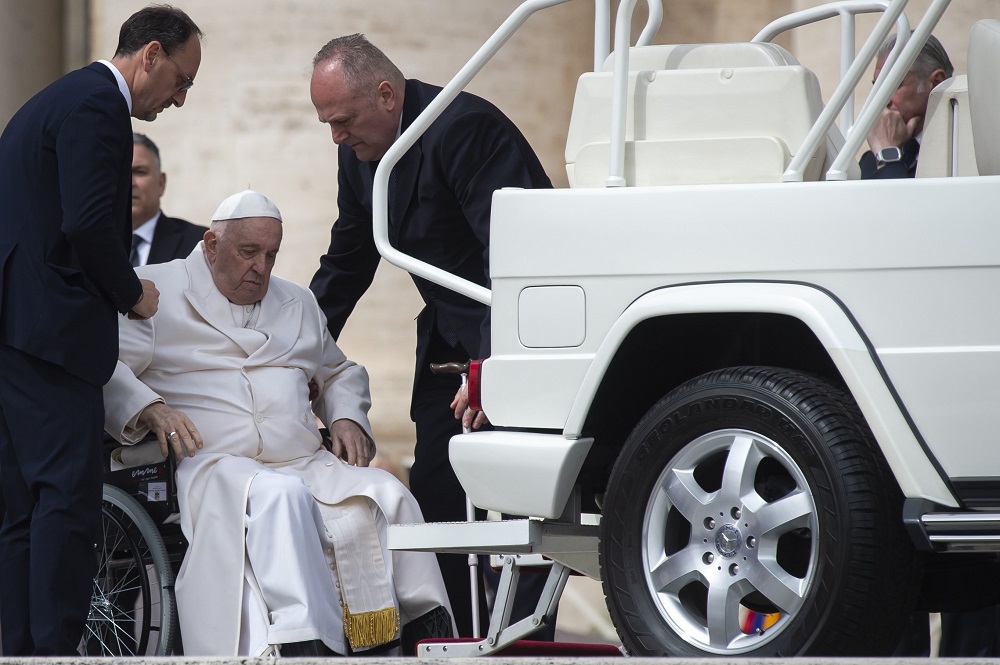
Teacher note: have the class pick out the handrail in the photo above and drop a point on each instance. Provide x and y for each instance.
(881, 94)
(619, 95)
(817, 134)
(847, 10)
(602, 31)
(652, 23)
(380, 187)
(889, 79)
(619, 82)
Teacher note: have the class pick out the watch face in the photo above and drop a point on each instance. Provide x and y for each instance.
(889, 155)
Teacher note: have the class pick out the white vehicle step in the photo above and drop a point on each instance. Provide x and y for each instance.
(574, 545)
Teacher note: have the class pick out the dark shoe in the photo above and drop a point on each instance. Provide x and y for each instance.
(433, 624)
(307, 649)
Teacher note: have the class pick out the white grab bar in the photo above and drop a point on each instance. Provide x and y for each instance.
(847, 10)
(602, 28)
(818, 133)
(380, 187)
(619, 85)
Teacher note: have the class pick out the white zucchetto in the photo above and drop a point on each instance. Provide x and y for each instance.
(247, 203)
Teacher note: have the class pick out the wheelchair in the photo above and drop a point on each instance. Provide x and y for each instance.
(133, 611)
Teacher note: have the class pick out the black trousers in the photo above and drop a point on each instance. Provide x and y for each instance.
(50, 442)
(440, 494)
(971, 634)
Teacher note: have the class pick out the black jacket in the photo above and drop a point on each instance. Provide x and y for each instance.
(65, 224)
(440, 214)
(173, 238)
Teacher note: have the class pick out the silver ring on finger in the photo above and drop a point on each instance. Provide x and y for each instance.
(171, 435)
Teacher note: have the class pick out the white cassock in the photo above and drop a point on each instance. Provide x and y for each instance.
(246, 390)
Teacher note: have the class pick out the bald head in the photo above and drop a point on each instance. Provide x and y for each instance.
(358, 92)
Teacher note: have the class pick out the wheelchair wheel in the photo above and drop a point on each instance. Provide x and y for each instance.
(132, 611)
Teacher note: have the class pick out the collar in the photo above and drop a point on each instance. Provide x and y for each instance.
(245, 316)
(148, 228)
(411, 104)
(122, 86)
(279, 313)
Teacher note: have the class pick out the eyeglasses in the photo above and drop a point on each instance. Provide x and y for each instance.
(190, 81)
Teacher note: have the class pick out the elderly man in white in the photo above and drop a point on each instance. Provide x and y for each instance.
(287, 539)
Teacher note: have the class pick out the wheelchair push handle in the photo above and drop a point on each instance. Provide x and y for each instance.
(450, 368)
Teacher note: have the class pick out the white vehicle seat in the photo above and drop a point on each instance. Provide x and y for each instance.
(947, 147)
(703, 56)
(699, 114)
(984, 93)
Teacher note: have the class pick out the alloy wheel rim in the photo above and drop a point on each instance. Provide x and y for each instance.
(730, 541)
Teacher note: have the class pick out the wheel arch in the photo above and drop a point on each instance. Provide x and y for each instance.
(675, 333)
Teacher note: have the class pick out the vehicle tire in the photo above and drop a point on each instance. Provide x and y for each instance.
(132, 610)
(750, 512)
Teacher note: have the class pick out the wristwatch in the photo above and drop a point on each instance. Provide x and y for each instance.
(889, 155)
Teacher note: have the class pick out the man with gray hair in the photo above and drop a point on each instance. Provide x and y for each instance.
(895, 138)
(287, 540)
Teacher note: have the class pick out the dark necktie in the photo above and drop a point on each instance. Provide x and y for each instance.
(133, 257)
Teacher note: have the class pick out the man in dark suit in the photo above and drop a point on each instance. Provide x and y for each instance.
(439, 212)
(895, 138)
(65, 163)
(156, 238)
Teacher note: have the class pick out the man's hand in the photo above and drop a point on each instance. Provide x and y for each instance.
(890, 130)
(172, 428)
(470, 419)
(148, 303)
(350, 443)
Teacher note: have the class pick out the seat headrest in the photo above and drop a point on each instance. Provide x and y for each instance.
(984, 93)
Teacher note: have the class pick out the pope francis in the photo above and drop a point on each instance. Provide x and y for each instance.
(287, 539)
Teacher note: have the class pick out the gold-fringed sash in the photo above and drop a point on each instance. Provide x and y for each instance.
(370, 629)
(370, 615)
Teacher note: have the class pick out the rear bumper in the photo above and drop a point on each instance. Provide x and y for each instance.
(518, 473)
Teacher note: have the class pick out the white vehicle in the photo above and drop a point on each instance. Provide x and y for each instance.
(760, 419)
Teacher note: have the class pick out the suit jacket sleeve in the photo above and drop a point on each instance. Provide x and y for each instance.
(92, 135)
(905, 168)
(125, 396)
(482, 154)
(348, 267)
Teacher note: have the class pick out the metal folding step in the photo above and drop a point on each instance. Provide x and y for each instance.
(573, 545)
